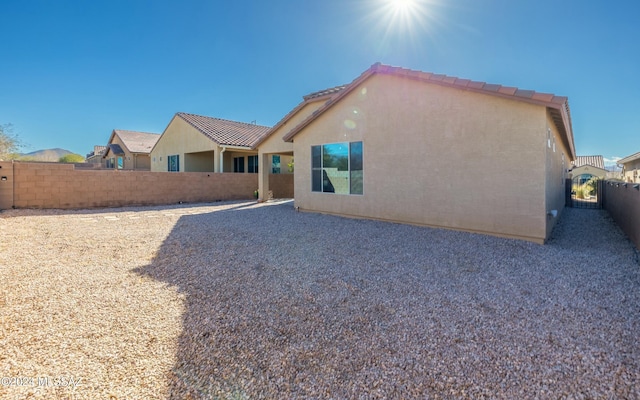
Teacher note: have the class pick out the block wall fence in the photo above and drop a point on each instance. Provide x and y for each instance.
(622, 201)
(54, 185)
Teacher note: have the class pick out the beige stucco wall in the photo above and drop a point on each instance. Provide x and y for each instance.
(180, 138)
(558, 161)
(142, 162)
(131, 161)
(275, 145)
(437, 156)
(632, 171)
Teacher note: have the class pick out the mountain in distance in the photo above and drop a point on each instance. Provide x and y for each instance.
(52, 155)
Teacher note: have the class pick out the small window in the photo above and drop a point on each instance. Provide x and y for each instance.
(253, 164)
(173, 163)
(120, 162)
(275, 164)
(238, 164)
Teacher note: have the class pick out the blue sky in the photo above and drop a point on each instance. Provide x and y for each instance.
(72, 71)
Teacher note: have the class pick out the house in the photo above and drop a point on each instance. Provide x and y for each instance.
(587, 167)
(129, 150)
(95, 157)
(414, 147)
(195, 143)
(276, 155)
(631, 168)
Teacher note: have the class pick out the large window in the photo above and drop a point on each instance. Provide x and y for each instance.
(253, 164)
(238, 164)
(337, 168)
(173, 163)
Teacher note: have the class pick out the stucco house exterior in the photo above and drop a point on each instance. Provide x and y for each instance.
(413, 147)
(196, 143)
(631, 168)
(586, 167)
(129, 150)
(275, 154)
(95, 157)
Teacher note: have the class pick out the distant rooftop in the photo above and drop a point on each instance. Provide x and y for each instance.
(594, 161)
(137, 142)
(225, 132)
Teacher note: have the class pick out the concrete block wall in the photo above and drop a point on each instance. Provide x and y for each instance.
(53, 185)
(623, 204)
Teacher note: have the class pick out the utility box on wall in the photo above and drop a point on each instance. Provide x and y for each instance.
(6, 185)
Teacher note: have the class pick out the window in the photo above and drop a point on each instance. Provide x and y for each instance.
(253, 164)
(337, 168)
(275, 164)
(173, 163)
(238, 164)
(120, 162)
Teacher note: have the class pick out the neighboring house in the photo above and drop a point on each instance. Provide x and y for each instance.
(414, 147)
(631, 168)
(195, 143)
(587, 167)
(95, 157)
(129, 150)
(276, 155)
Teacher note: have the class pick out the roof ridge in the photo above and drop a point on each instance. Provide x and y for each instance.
(558, 106)
(222, 119)
(128, 130)
(468, 83)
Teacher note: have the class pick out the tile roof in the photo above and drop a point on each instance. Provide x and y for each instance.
(312, 97)
(594, 161)
(324, 92)
(630, 158)
(136, 142)
(225, 132)
(558, 106)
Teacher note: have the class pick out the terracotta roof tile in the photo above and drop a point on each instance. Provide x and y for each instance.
(137, 142)
(527, 94)
(542, 96)
(225, 132)
(594, 161)
(324, 92)
(475, 85)
(508, 90)
(450, 79)
(462, 82)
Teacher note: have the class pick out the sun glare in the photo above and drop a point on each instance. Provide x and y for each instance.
(402, 6)
(405, 14)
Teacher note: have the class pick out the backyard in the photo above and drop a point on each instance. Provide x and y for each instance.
(238, 300)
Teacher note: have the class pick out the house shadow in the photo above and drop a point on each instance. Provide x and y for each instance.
(282, 304)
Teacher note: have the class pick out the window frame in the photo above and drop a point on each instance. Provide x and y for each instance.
(175, 157)
(318, 172)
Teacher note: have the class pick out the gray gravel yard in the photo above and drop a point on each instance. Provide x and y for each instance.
(239, 300)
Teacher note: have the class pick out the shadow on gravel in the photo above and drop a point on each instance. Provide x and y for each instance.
(281, 304)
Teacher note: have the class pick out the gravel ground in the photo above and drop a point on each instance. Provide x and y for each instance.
(238, 300)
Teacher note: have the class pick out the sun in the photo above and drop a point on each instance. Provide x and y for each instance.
(402, 6)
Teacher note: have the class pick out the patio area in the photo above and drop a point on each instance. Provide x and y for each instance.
(238, 300)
